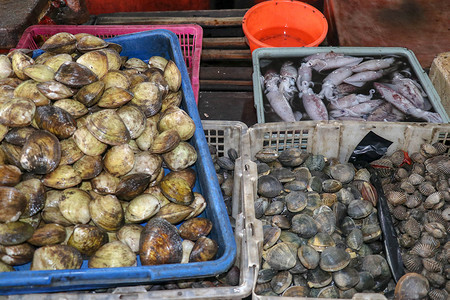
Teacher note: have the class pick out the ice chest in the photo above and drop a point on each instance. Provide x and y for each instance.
(263, 56)
(143, 45)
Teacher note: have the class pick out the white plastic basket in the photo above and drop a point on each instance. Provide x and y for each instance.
(334, 139)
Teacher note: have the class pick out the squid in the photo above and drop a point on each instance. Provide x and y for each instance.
(404, 105)
(332, 80)
(314, 106)
(276, 98)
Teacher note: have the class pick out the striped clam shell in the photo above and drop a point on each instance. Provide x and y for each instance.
(362, 174)
(384, 166)
(406, 186)
(436, 216)
(432, 164)
(401, 173)
(396, 197)
(418, 168)
(413, 200)
(426, 188)
(436, 229)
(442, 185)
(413, 228)
(400, 213)
(434, 201)
(397, 158)
(432, 265)
(440, 147)
(438, 294)
(412, 262)
(417, 157)
(444, 165)
(423, 250)
(387, 187)
(430, 240)
(415, 179)
(428, 150)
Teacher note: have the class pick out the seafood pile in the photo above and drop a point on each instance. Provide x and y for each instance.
(87, 141)
(419, 201)
(224, 166)
(322, 237)
(334, 86)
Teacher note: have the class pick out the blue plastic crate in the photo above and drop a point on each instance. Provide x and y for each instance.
(143, 45)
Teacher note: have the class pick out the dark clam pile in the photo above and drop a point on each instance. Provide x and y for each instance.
(87, 141)
(418, 197)
(322, 237)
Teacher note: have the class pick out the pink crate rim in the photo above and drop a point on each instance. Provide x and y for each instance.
(27, 41)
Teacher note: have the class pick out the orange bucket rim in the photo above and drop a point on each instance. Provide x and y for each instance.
(249, 36)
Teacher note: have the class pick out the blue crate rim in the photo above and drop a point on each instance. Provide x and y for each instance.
(38, 281)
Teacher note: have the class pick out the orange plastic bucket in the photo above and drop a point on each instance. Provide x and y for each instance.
(284, 23)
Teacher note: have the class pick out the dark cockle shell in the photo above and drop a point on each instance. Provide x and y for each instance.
(14, 233)
(106, 212)
(130, 186)
(271, 236)
(334, 259)
(412, 286)
(204, 249)
(304, 225)
(342, 172)
(292, 157)
(107, 126)
(49, 234)
(87, 239)
(111, 255)
(41, 154)
(358, 209)
(195, 228)
(88, 166)
(55, 120)
(75, 75)
(174, 213)
(12, 204)
(281, 281)
(19, 135)
(16, 255)
(377, 266)
(308, 256)
(34, 192)
(62, 42)
(56, 257)
(346, 278)
(281, 257)
(269, 186)
(318, 278)
(160, 243)
(177, 190)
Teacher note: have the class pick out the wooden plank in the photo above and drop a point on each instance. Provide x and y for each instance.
(221, 43)
(440, 77)
(215, 54)
(16, 16)
(224, 73)
(234, 106)
(203, 21)
(218, 13)
(419, 25)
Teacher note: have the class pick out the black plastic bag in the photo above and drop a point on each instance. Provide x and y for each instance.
(373, 147)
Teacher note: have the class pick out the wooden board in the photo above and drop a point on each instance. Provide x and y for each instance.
(16, 16)
(419, 25)
(440, 77)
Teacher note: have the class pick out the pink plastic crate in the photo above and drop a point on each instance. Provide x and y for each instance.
(190, 37)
